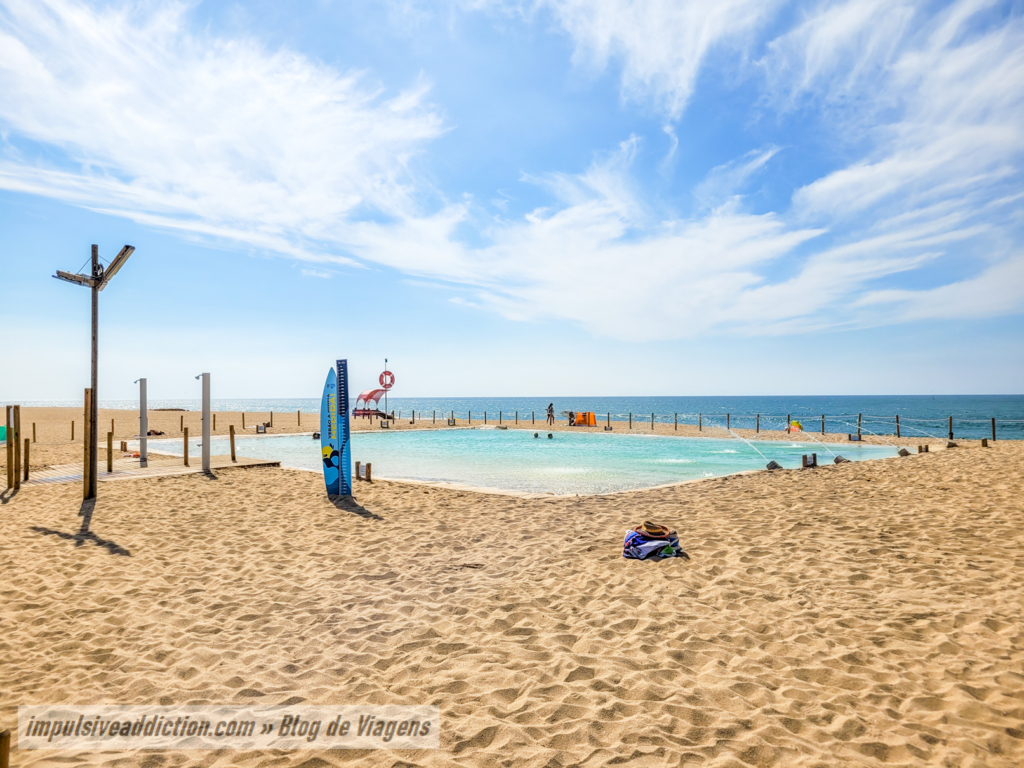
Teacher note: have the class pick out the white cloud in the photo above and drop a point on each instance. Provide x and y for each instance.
(269, 149)
(215, 136)
(316, 273)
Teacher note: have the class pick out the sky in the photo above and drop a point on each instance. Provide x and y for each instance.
(511, 198)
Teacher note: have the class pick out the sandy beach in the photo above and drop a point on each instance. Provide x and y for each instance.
(865, 614)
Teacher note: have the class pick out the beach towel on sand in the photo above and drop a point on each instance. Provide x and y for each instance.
(652, 540)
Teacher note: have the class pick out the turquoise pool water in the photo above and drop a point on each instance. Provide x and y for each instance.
(514, 460)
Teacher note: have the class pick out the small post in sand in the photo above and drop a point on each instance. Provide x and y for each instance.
(34, 431)
(757, 428)
(700, 422)
(434, 417)
(231, 432)
(858, 423)
(950, 427)
(72, 431)
(993, 429)
(185, 432)
(27, 444)
(485, 417)
(676, 418)
(271, 419)
(369, 477)
(897, 425)
(470, 416)
(652, 422)
(499, 417)
(110, 452)
(181, 423)
(630, 419)
(533, 417)
(111, 425)
(298, 417)
(728, 421)
(88, 471)
(243, 419)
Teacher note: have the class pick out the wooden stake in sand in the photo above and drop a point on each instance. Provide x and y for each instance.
(858, 424)
(185, 432)
(111, 425)
(88, 478)
(231, 431)
(243, 419)
(757, 428)
(993, 429)
(215, 421)
(16, 421)
(823, 423)
(110, 452)
(676, 415)
(700, 422)
(652, 422)
(72, 431)
(27, 444)
(897, 425)
(34, 431)
(10, 446)
(181, 423)
(298, 417)
(950, 427)
(728, 421)
(271, 419)
(630, 419)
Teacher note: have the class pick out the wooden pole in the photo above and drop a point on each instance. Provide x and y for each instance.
(92, 415)
(10, 446)
(950, 427)
(231, 432)
(72, 431)
(517, 417)
(27, 444)
(485, 417)
(111, 425)
(110, 452)
(630, 419)
(993, 429)
(434, 417)
(17, 447)
(858, 424)
(298, 416)
(181, 423)
(823, 423)
(676, 417)
(757, 428)
(358, 463)
(609, 421)
(897, 425)
(499, 417)
(700, 422)
(470, 415)
(243, 419)
(652, 422)
(33, 431)
(369, 476)
(728, 421)
(271, 419)
(413, 415)
(533, 417)
(89, 466)
(185, 433)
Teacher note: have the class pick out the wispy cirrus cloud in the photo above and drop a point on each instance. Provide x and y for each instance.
(267, 148)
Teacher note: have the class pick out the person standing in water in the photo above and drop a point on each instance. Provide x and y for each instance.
(551, 413)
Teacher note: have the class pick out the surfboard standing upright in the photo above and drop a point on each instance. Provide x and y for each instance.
(329, 443)
(345, 463)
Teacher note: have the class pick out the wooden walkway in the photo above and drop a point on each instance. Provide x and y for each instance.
(159, 465)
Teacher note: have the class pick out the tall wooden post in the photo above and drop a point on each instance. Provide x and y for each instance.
(181, 423)
(72, 431)
(243, 419)
(950, 427)
(897, 425)
(89, 459)
(434, 417)
(298, 417)
(470, 416)
(858, 423)
(728, 421)
(993, 429)
(185, 433)
(652, 422)
(757, 425)
(17, 446)
(823, 423)
(517, 417)
(271, 419)
(110, 452)
(609, 421)
(10, 445)
(499, 417)
(27, 444)
(676, 419)
(630, 419)
(700, 422)
(111, 425)
(485, 417)
(231, 432)
(92, 429)
(215, 422)
(33, 431)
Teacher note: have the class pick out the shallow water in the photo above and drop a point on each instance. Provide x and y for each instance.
(515, 460)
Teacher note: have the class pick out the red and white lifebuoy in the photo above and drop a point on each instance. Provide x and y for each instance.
(387, 380)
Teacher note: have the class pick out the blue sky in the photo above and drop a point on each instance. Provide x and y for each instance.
(516, 198)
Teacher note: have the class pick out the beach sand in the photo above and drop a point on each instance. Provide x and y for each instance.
(865, 614)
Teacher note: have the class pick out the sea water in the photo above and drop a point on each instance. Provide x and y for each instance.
(515, 460)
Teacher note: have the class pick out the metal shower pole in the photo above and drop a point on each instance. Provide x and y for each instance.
(143, 422)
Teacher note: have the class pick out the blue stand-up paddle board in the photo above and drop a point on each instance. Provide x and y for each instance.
(329, 443)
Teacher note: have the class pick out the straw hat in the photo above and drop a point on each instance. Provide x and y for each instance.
(653, 530)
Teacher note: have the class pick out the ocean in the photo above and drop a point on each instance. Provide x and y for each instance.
(921, 415)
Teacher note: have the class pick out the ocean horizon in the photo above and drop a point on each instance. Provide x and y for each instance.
(923, 415)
